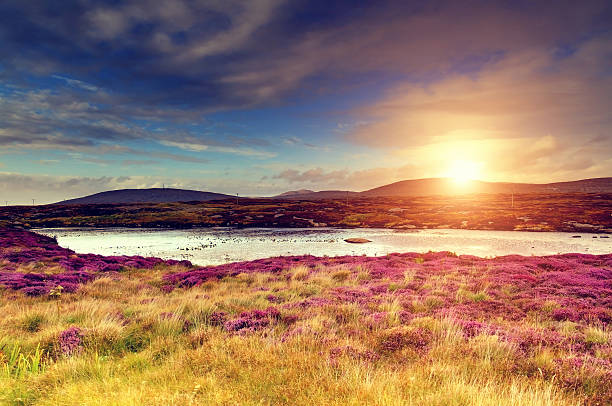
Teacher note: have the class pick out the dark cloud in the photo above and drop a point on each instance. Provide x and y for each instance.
(233, 53)
(73, 121)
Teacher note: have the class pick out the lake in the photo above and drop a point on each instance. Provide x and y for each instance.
(211, 246)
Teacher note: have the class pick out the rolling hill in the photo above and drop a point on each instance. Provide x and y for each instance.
(446, 186)
(415, 187)
(154, 195)
(311, 195)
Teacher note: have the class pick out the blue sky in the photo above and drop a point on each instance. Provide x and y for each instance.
(265, 96)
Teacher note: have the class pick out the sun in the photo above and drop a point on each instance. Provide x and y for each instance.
(463, 171)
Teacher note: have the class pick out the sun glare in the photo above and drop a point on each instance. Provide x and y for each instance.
(462, 171)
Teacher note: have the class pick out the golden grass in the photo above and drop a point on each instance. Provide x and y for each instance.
(139, 350)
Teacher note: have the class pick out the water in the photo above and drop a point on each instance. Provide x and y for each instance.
(209, 246)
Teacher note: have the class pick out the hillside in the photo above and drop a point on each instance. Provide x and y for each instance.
(154, 195)
(445, 186)
(414, 187)
(320, 195)
(295, 193)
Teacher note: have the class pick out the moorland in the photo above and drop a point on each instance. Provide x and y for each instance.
(574, 212)
(405, 329)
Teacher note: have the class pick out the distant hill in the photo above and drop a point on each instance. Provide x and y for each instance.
(295, 193)
(310, 195)
(155, 195)
(415, 187)
(445, 186)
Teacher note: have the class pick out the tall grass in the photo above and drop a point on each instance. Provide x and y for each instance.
(17, 364)
(139, 346)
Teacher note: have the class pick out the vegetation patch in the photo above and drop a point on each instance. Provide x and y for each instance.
(409, 329)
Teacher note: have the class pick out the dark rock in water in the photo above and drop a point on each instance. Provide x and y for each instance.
(357, 240)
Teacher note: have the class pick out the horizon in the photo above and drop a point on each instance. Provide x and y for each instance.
(459, 186)
(265, 97)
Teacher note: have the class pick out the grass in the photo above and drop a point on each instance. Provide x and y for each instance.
(430, 329)
(137, 348)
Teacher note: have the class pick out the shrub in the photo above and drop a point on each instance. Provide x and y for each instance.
(135, 340)
(300, 273)
(217, 318)
(595, 335)
(253, 320)
(32, 322)
(341, 276)
(70, 341)
(417, 339)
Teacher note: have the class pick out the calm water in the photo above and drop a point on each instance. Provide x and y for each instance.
(208, 246)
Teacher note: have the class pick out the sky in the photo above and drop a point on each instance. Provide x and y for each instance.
(263, 96)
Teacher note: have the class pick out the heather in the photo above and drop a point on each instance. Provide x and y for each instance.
(404, 329)
(35, 264)
(573, 287)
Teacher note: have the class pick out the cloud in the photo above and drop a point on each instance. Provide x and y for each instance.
(139, 162)
(361, 179)
(533, 76)
(297, 141)
(246, 18)
(436, 39)
(220, 55)
(20, 189)
(316, 175)
(173, 157)
(537, 114)
(70, 121)
(524, 95)
(199, 147)
(77, 83)
(48, 161)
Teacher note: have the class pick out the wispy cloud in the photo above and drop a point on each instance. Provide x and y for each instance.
(77, 83)
(353, 179)
(41, 119)
(297, 141)
(200, 146)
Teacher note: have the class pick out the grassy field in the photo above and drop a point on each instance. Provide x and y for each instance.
(575, 212)
(406, 329)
